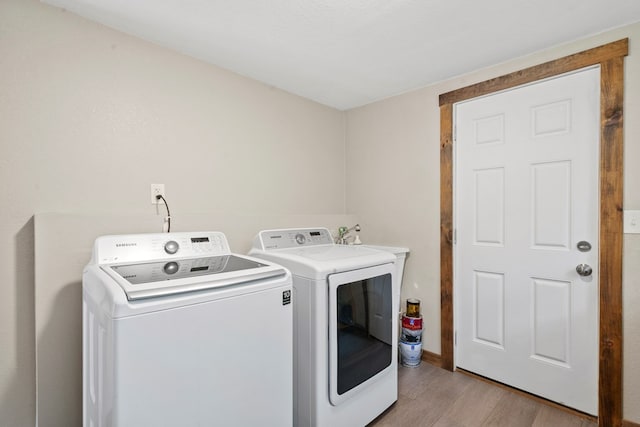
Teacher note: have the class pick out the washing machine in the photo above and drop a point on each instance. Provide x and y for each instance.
(345, 325)
(179, 331)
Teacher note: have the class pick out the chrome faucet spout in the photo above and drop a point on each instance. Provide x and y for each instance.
(343, 233)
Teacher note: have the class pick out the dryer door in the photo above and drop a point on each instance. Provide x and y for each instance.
(361, 325)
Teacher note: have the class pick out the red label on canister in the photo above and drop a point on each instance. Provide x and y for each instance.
(412, 323)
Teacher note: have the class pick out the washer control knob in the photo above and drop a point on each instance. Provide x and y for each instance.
(300, 239)
(171, 247)
(171, 267)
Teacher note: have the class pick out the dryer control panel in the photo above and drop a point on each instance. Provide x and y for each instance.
(293, 238)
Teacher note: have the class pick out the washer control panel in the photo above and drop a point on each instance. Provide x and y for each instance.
(144, 247)
(293, 237)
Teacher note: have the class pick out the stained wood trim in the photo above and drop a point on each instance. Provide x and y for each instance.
(610, 57)
(626, 423)
(431, 358)
(573, 62)
(611, 182)
(446, 236)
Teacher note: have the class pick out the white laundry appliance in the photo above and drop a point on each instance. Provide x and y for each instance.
(345, 325)
(178, 331)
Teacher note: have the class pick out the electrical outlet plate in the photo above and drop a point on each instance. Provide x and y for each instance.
(632, 222)
(156, 190)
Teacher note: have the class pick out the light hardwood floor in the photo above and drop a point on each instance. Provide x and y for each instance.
(431, 396)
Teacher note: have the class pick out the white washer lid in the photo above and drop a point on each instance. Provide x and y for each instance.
(153, 282)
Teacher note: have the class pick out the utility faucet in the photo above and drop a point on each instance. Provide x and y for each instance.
(343, 233)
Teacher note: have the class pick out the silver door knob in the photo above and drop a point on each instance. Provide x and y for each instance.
(584, 269)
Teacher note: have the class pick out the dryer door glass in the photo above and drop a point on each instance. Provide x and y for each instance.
(361, 340)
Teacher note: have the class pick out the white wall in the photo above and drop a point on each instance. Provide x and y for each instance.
(89, 117)
(393, 184)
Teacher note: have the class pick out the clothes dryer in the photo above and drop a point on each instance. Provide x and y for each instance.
(345, 325)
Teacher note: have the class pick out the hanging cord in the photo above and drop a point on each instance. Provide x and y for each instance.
(166, 205)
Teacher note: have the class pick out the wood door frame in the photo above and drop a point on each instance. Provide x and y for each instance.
(610, 57)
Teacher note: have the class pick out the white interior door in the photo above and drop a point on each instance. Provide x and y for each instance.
(526, 195)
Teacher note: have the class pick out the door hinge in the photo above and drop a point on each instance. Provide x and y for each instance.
(455, 236)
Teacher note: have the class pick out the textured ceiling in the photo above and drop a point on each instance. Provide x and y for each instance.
(347, 53)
